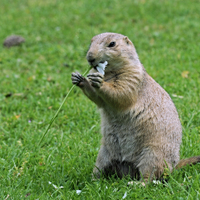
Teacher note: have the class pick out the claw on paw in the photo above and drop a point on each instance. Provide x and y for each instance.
(77, 78)
(96, 79)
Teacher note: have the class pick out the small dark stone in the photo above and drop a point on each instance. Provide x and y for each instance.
(65, 65)
(13, 40)
(8, 95)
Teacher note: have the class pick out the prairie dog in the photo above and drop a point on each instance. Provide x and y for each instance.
(140, 126)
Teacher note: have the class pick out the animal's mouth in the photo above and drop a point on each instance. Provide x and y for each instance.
(101, 67)
(95, 66)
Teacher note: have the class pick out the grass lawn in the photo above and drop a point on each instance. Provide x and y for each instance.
(36, 76)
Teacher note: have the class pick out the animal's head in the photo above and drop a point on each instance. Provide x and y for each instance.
(114, 48)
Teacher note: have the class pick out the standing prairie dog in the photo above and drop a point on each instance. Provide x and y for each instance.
(139, 123)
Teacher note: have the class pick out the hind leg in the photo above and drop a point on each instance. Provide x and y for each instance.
(103, 162)
(152, 165)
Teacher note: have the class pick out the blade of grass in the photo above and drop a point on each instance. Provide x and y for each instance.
(57, 112)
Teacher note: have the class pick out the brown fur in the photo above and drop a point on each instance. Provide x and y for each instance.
(139, 123)
(188, 161)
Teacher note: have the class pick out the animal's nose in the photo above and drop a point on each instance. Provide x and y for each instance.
(90, 58)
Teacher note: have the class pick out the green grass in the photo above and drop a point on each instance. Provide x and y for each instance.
(37, 74)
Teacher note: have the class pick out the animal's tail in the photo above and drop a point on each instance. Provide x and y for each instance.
(188, 161)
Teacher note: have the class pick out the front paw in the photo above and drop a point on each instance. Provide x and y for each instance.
(77, 79)
(96, 79)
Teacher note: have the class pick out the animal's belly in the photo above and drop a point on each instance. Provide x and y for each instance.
(120, 142)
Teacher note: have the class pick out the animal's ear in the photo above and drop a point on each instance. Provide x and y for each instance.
(127, 41)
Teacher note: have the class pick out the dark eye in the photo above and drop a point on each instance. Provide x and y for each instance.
(112, 44)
